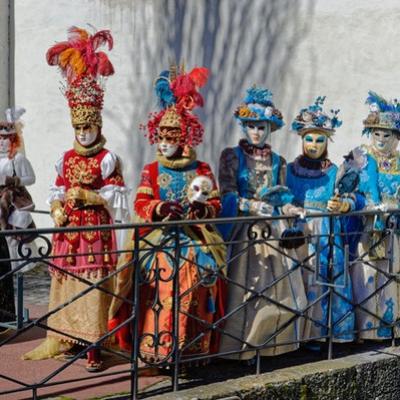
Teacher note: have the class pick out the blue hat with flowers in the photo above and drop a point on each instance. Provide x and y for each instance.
(314, 119)
(383, 114)
(258, 106)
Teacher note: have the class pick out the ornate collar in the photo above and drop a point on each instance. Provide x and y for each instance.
(254, 151)
(176, 163)
(89, 151)
(304, 166)
(386, 163)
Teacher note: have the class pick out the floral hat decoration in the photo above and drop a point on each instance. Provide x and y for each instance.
(314, 119)
(382, 114)
(258, 106)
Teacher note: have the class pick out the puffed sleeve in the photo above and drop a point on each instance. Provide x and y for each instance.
(57, 191)
(114, 190)
(145, 201)
(24, 170)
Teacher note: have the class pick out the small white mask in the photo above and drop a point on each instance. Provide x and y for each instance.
(167, 149)
(384, 141)
(258, 132)
(200, 189)
(5, 144)
(86, 138)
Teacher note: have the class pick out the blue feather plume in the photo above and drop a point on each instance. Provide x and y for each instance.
(163, 90)
(382, 104)
(259, 96)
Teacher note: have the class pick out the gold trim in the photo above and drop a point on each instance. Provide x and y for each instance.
(177, 163)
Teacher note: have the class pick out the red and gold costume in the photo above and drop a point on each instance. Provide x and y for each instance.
(165, 184)
(88, 191)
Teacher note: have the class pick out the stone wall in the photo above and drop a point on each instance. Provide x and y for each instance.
(366, 376)
(298, 48)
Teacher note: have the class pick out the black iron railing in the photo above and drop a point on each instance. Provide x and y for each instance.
(166, 349)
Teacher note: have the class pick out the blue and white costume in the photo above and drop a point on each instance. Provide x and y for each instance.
(375, 288)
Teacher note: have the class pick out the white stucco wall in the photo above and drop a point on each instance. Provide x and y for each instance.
(298, 48)
(4, 54)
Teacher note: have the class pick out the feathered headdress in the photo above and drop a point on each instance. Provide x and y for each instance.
(258, 106)
(383, 114)
(178, 94)
(314, 119)
(12, 123)
(82, 65)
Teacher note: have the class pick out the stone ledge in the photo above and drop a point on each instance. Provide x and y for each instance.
(365, 376)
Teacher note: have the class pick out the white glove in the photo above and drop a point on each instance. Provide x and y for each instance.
(255, 207)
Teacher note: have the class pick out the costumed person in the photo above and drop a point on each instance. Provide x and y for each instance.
(176, 186)
(89, 190)
(317, 187)
(260, 275)
(16, 203)
(376, 289)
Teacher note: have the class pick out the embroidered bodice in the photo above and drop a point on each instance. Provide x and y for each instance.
(380, 178)
(311, 189)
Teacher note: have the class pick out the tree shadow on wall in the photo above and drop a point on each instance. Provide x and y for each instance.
(241, 42)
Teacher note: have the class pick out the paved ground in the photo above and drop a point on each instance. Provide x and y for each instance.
(34, 371)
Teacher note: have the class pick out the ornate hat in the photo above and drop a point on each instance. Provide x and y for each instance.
(12, 124)
(258, 106)
(314, 119)
(83, 66)
(177, 93)
(382, 114)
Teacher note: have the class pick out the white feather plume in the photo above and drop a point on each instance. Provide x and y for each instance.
(14, 114)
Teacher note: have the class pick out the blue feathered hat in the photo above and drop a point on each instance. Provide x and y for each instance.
(258, 106)
(383, 114)
(314, 119)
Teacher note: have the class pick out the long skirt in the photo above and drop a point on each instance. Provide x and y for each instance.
(267, 319)
(198, 304)
(327, 281)
(84, 319)
(377, 294)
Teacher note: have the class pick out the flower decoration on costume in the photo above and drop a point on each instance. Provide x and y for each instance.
(383, 114)
(313, 118)
(178, 95)
(82, 65)
(258, 106)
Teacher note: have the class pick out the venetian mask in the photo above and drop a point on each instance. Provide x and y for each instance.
(5, 143)
(168, 141)
(200, 189)
(257, 132)
(384, 140)
(314, 145)
(86, 134)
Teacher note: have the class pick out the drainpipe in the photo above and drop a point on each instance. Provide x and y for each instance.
(5, 60)
(11, 53)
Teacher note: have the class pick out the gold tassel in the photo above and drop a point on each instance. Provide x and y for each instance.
(106, 255)
(90, 258)
(71, 257)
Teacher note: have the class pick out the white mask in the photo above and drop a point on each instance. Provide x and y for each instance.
(384, 141)
(5, 144)
(86, 134)
(167, 149)
(258, 132)
(200, 189)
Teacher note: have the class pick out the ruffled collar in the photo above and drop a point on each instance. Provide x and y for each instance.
(89, 151)
(177, 163)
(304, 166)
(254, 151)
